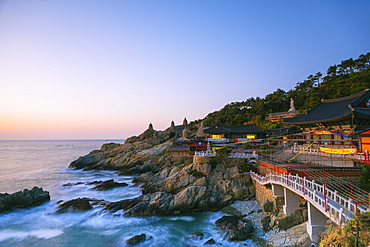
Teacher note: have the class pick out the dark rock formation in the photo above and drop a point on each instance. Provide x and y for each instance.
(210, 241)
(71, 184)
(23, 199)
(197, 235)
(79, 204)
(109, 184)
(235, 227)
(136, 239)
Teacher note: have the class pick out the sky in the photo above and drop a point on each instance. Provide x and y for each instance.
(86, 69)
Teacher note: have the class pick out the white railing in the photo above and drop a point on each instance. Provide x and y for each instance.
(334, 206)
(243, 155)
(208, 153)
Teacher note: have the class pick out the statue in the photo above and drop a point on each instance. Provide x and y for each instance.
(292, 108)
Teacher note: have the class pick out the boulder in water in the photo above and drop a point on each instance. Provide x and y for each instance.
(136, 239)
(23, 199)
(109, 184)
(79, 204)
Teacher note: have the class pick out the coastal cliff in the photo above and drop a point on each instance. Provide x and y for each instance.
(139, 154)
(169, 185)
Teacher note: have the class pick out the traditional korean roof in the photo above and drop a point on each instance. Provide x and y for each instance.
(284, 131)
(333, 110)
(234, 129)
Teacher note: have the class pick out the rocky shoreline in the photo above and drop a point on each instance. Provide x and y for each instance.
(173, 186)
(292, 237)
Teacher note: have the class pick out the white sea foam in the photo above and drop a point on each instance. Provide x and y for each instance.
(183, 218)
(20, 235)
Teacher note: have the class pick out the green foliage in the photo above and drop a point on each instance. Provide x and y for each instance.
(355, 233)
(365, 177)
(349, 77)
(245, 166)
(223, 152)
(196, 173)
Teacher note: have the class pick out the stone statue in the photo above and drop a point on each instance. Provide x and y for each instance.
(292, 108)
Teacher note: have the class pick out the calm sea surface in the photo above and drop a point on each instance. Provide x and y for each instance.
(25, 164)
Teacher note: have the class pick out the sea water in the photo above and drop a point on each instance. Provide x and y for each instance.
(25, 164)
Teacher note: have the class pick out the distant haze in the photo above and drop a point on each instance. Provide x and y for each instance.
(106, 69)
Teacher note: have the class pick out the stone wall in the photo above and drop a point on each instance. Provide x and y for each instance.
(263, 194)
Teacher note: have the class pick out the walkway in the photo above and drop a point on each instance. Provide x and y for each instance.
(326, 202)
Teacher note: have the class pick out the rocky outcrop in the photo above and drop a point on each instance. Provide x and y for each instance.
(139, 154)
(236, 227)
(23, 199)
(79, 204)
(182, 190)
(109, 184)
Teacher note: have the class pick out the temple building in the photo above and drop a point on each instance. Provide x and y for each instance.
(232, 134)
(334, 122)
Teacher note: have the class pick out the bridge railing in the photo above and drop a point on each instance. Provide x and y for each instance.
(335, 206)
(243, 155)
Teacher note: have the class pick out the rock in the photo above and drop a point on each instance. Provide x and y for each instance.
(109, 184)
(94, 182)
(158, 203)
(79, 204)
(295, 236)
(175, 190)
(71, 184)
(140, 169)
(268, 207)
(231, 210)
(136, 239)
(298, 217)
(197, 235)
(210, 241)
(23, 199)
(265, 222)
(87, 160)
(236, 228)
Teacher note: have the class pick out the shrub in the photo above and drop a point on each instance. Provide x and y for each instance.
(196, 173)
(245, 166)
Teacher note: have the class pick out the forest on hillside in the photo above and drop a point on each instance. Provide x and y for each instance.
(349, 77)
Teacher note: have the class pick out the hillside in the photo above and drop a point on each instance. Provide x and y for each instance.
(349, 77)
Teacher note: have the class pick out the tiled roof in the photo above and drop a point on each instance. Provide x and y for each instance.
(333, 109)
(249, 128)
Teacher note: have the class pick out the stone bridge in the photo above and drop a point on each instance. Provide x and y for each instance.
(322, 203)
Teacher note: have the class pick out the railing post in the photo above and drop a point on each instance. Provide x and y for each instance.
(325, 199)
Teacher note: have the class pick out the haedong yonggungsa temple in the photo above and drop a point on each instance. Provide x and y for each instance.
(332, 125)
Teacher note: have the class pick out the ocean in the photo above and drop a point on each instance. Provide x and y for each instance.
(25, 164)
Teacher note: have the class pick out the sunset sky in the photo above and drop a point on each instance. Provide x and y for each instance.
(106, 69)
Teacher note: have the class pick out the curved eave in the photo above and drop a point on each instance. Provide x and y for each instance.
(344, 117)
